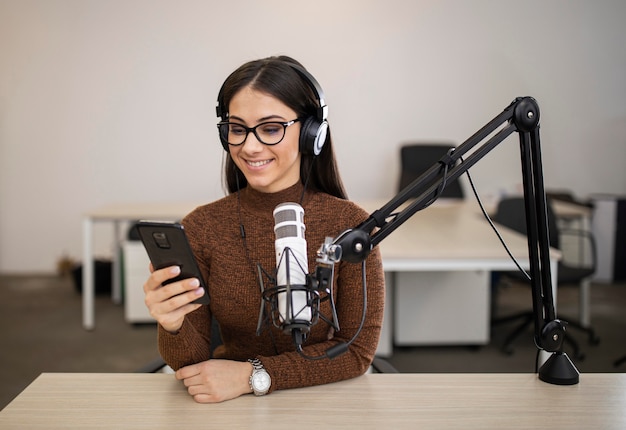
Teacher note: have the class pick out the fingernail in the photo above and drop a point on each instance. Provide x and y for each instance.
(175, 270)
(199, 292)
(194, 283)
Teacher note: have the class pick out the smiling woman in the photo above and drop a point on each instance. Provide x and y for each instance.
(278, 147)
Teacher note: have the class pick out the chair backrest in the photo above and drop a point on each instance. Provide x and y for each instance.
(416, 158)
(511, 213)
(566, 195)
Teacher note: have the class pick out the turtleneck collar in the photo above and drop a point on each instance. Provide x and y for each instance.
(256, 201)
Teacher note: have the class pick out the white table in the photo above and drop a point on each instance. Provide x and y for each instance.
(373, 401)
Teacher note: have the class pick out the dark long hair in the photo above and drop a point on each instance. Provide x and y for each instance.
(275, 77)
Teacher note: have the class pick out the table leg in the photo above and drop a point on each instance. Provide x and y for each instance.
(385, 343)
(583, 300)
(554, 274)
(88, 275)
(116, 292)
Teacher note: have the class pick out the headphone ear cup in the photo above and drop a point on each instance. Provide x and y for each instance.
(223, 139)
(313, 136)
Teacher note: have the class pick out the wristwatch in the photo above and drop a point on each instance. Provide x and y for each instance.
(260, 380)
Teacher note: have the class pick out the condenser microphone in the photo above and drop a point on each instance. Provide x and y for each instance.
(292, 291)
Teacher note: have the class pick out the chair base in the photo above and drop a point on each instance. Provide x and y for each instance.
(527, 322)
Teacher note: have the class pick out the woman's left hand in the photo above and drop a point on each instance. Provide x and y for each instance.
(214, 381)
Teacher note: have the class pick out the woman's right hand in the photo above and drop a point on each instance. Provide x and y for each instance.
(169, 304)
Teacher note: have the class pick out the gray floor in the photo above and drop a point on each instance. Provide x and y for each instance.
(41, 331)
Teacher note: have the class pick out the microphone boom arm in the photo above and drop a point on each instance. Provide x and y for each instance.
(521, 116)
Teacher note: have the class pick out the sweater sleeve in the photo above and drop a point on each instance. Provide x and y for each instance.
(192, 342)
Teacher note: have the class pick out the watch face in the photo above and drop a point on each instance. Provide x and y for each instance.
(261, 381)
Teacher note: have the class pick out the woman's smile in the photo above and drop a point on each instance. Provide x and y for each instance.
(259, 163)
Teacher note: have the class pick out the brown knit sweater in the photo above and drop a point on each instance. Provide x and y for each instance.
(215, 235)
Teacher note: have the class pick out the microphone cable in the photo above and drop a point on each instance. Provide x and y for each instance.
(493, 227)
(341, 347)
(508, 251)
(306, 181)
(444, 181)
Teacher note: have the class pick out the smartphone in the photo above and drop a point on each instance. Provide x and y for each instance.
(167, 245)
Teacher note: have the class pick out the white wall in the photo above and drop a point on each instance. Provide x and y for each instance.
(109, 101)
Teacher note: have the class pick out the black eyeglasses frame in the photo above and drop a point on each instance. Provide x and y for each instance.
(253, 130)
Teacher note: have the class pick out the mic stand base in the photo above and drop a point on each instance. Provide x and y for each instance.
(559, 370)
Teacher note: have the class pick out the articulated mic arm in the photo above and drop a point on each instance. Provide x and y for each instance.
(521, 116)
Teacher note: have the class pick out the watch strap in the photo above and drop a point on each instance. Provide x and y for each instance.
(257, 367)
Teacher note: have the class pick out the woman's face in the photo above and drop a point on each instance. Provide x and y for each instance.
(267, 168)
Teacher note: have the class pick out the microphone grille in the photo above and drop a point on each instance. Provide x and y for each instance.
(286, 231)
(289, 220)
(285, 214)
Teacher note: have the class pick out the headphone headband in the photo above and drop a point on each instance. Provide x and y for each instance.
(322, 109)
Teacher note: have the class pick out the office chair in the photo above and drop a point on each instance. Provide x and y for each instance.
(567, 196)
(511, 213)
(379, 365)
(416, 158)
(564, 195)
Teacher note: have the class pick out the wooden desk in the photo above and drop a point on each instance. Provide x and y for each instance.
(387, 401)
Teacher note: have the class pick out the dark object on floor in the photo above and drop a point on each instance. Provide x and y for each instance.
(102, 275)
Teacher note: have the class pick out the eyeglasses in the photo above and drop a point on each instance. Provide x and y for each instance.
(268, 133)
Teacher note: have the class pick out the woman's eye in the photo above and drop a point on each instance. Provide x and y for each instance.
(237, 129)
(271, 128)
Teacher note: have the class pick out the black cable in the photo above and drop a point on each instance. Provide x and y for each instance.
(341, 347)
(493, 227)
(306, 181)
(508, 251)
(438, 192)
(537, 360)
